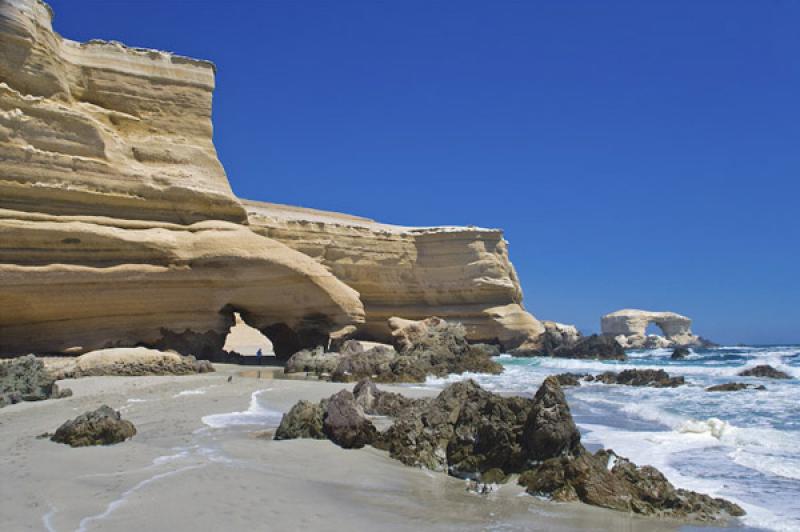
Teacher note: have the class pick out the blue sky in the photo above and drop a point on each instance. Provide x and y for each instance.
(637, 154)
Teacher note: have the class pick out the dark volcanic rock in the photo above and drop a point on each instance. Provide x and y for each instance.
(472, 433)
(656, 378)
(26, 379)
(374, 363)
(376, 402)
(103, 426)
(766, 371)
(570, 379)
(465, 430)
(303, 420)
(344, 422)
(609, 481)
(549, 428)
(734, 387)
(680, 353)
(594, 346)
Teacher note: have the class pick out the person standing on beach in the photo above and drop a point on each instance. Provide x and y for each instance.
(259, 354)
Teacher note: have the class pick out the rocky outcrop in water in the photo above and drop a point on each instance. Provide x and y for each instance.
(766, 371)
(103, 426)
(26, 379)
(629, 377)
(564, 341)
(469, 432)
(734, 387)
(629, 327)
(679, 353)
(655, 378)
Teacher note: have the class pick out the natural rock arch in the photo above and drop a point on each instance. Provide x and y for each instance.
(629, 327)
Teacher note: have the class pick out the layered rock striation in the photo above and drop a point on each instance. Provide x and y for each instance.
(457, 273)
(118, 226)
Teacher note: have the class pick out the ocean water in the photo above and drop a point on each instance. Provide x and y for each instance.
(744, 446)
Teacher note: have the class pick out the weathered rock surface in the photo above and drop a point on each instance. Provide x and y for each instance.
(118, 227)
(304, 420)
(734, 387)
(315, 360)
(591, 347)
(549, 429)
(129, 362)
(472, 433)
(655, 378)
(766, 371)
(26, 379)
(428, 347)
(629, 327)
(461, 274)
(103, 426)
(345, 424)
(465, 431)
(613, 482)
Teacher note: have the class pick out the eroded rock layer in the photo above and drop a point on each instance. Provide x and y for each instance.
(98, 128)
(457, 273)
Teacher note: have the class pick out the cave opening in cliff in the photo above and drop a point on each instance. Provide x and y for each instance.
(246, 340)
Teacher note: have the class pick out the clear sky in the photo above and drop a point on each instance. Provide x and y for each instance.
(637, 154)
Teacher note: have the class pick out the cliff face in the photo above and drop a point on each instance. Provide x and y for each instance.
(101, 129)
(118, 226)
(457, 273)
(107, 173)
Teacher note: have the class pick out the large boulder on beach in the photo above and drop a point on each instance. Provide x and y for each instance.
(345, 424)
(26, 379)
(465, 431)
(549, 429)
(103, 426)
(303, 420)
(765, 371)
(132, 362)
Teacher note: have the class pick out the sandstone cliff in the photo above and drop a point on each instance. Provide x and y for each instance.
(107, 173)
(457, 273)
(118, 226)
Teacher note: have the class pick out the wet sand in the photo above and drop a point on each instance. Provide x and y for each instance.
(178, 473)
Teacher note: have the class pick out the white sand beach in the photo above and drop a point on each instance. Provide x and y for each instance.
(181, 473)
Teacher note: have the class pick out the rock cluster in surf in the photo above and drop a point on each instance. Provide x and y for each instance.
(471, 433)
